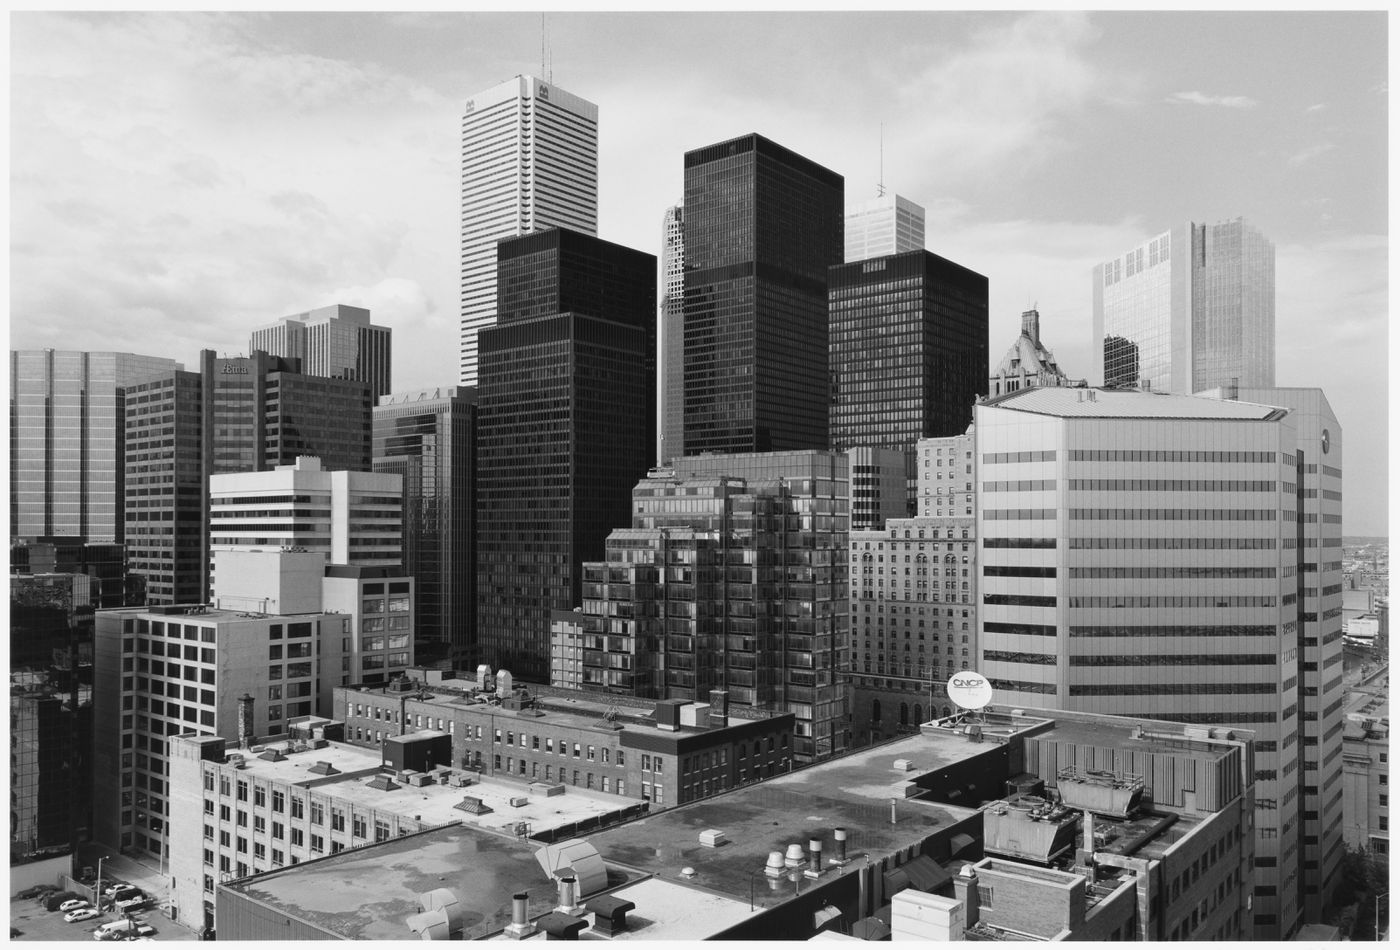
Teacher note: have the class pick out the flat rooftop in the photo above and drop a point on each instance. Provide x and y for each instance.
(433, 803)
(1155, 737)
(1091, 403)
(368, 893)
(853, 792)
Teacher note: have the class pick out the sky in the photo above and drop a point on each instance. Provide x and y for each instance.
(178, 179)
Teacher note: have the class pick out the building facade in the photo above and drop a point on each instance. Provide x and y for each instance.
(1028, 362)
(670, 334)
(239, 414)
(880, 485)
(336, 341)
(349, 517)
(529, 162)
(1191, 309)
(67, 441)
(914, 598)
(1139, 555)
(884, 225)
(762, 226)
(1366, 767)
(566, 425)
(428, 438)
(161, 671)
(732, 577)
(667, 753)
(50, 788)
(908, 349)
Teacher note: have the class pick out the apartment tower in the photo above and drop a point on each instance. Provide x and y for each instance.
(670, 333)
(529, 162)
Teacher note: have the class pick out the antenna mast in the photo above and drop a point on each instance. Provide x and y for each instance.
(880, 188)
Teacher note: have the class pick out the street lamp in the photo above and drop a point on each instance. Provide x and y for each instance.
(1378, 913)
(97, 893)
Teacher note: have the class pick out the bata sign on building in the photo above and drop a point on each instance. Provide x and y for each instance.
(970, 690)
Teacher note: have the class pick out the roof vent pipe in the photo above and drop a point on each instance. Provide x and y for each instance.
(814, 864)
(795, 857)
(840, 858)
(520, 926)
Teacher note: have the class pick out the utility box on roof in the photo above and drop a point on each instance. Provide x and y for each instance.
(418, 751)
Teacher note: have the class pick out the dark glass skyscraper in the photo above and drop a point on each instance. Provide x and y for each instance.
(566, 427)
(762, 225)
(908, 349)
(428, 438)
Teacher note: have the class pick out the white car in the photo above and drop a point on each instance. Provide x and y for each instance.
(82, 913)
(131, 903)
(74, 904)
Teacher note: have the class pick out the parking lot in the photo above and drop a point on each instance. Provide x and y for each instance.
(35, 923)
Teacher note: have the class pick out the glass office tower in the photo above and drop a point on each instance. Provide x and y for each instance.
(566, 426)
(1191, 309)
(762, 226)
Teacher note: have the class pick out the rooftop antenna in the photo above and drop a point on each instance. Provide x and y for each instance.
(542, 29)
(880, 187)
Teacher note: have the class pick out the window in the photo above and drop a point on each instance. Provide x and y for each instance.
(318, 813)
(298, 807)
(279, 801)
(357, 826)
(337, 819)
(259, 796)
(259, 823)
(298, 837)
(318, 844)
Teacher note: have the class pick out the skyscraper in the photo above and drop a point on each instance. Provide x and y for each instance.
(1191, 309)
(428, 437)
(240, 414)
(888, 224)
(1162, 555)
(670, 333)
(908, 349)
(762, 226)
(337, 341)
(566, 426)
(529, 162)
(67, 435)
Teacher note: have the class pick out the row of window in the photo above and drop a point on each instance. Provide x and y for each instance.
(1174, 573)
(1170, 544)
(1174, 659)
(1173, 514)
(1220, 600)
(1171, 484)
(1172, 689)
(1155, 630)
(1166, 455)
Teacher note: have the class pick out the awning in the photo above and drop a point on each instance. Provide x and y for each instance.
(959, 844)
(921, 873)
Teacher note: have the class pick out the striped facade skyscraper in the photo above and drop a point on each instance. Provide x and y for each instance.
(335, 341)
(529, 162)
(670, 332)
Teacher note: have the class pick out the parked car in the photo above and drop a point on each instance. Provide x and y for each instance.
(145, 930)
(116, 930)
(36, 891)
(73, 904)
(131, 903)
(115, 886)
(82, 913)
(56, 899)
(125, 891)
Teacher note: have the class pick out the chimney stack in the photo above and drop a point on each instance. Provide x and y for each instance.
(719, 707)
(965, 890)
(840, 858)
(814, 863)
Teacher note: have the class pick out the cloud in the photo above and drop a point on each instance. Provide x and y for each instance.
(1308, 154)
(1316, 107)
(1201, 99)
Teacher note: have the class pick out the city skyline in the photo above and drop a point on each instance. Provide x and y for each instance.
(267, 164)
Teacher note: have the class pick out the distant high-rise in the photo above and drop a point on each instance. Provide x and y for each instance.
(67, 432)
(889, 224)
(240, 414)
(908, 349)
(428, 437)
(566, 426)
(1190, 310)
(762, 226)
(529, 162)
(670, 333)
(336, 341)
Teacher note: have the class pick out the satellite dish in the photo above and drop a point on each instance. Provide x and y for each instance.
(969, 689)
